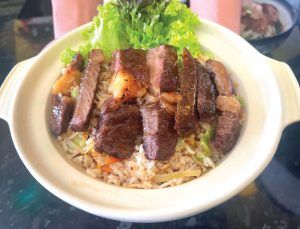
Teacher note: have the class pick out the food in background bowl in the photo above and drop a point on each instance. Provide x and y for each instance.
(134, 121)
(260, 20)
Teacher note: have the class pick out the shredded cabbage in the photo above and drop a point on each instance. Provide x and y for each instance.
(74, 92)
(80, 141)
(204, 141)
(175, 175)
(142, 24)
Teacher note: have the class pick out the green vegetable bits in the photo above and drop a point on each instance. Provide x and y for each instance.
(74, 92)
(144, 24)
(205, 139)
(67, 55)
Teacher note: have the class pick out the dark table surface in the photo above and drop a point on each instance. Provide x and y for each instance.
(272, 201)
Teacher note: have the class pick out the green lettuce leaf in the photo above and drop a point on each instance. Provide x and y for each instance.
(141, 24)
(67, 55)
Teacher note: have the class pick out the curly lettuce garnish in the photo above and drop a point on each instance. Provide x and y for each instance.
(67, 55)
(180, 24)
(142, 24)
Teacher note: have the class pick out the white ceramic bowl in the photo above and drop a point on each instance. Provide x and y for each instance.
(272, 100)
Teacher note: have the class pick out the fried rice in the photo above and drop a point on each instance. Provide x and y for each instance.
(136, 171)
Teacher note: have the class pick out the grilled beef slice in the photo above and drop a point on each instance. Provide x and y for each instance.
(119, 127)
(185, 115)
(206, 92)
(87, 89)
(221, 77)
(131, 77)
(62, 110)
(77, 63)
(159, 137)
(227, 132)
(133, 62)
(163, 69)
(228, 103)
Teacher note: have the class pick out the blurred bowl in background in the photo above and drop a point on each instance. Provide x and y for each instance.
(288, 17)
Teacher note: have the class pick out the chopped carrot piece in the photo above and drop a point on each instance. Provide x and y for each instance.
(108, 161)
(111, 159)
(85, 135)
(106, 168)
(66, 81)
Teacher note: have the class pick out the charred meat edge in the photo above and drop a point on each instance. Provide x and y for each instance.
(132, 61)
(206, 92)
(77, 63)
(221, 77)
(130, 79)
(62, 110)
(228, 125)
(163, 69)
(119, 127)
(63, 106)
(185, 116)
(159, 136)
(87, 89)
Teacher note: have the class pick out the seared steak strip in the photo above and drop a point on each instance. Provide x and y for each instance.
(119, 127)
(83, 107)
(185, 116)
(130, 78)
(227, 132)
(206, 93)
(228, 124)
(159, 138)
(221, 77)
(77, 63)
(132, 61)
(163, 69)
(62, 110)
